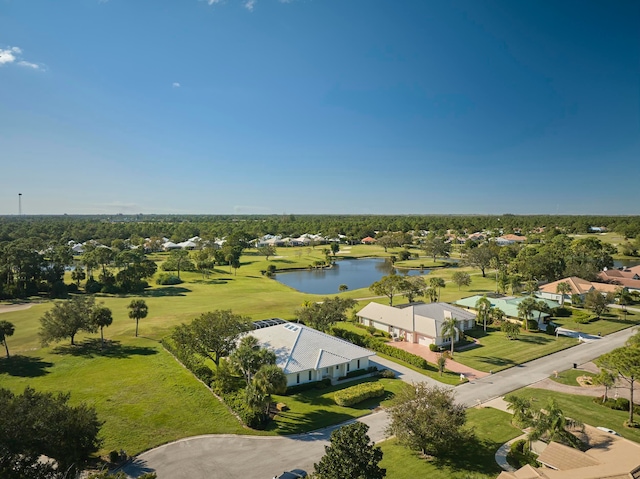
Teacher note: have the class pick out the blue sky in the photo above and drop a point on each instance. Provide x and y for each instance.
(319, 106)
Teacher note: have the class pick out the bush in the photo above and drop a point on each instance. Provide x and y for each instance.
(433, 348)
(531, 323)
(72, 288)
(387, 373)
(92, 286)
(114, 457)
(298, 388)
(405, 356)
(582, 317)
(371, 330)
(520, 454)
(357, 394)
(561, 312)
(167, 279)
(551, 329)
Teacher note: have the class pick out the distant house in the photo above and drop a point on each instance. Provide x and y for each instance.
(418, 323)
(508, 305)
(305, 354)
(627, 277)
(368, 240)
(506, 240)
(578, 286)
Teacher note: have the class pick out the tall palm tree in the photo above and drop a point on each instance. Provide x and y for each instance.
(607, 379)
(542, 307)
(449, 330)
(139, 310)
(269, 379)
(552, 424)
(563, 288)
(6, 329)
(483, 306)
(437, 283)
(102, 318)
(496, 314)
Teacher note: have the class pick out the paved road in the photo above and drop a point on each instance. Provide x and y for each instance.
(241, 457)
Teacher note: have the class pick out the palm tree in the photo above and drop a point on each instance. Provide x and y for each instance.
(6, 329)
(496, 314)
(138, 311)
(542, 307)
(521, 409)
(552, 424)
(563, 288)
(449, 330)
(483, 306)
(102, 318)
(607, 379)
(525, 310)
(623, 297)
(269, 379)
(437, 283)
(515, 284)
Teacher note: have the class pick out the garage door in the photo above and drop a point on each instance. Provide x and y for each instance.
(425, 341)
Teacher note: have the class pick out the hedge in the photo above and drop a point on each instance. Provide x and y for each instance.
(357, 394)
(359, 372)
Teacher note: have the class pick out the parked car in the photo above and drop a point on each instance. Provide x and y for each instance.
(292, 474)
(606, 429)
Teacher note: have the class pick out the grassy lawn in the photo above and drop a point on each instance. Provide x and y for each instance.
(492, 428)
(609, 322)
(316, 408)
(144, 397)
(583, 409)
(569, 376)
(496, 352)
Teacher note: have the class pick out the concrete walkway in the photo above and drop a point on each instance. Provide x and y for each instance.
(432, 357)
(501, 454)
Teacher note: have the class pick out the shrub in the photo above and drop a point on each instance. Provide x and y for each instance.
(520, 454)
(357, 394)
(405, 356)
(92, 286)
(433, 348)
(551, 329)
(168, 279)
(387, 373)
(114, 457)
(582, 317)
(371, 330)
(531, 323)
(561, 312)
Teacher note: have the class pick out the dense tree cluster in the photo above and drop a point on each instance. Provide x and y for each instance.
(36, 424)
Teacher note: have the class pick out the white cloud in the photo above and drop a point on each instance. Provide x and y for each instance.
(175, 84)
(14, 55)
(249, 4)
(213, 2)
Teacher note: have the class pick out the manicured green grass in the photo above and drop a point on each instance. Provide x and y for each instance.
(144, 397)
(569, 376)
(584, 409)
(609, 322)
(476, 460)
(316, 408)
(496, 352)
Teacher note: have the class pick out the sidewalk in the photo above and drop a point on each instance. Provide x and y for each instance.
(432, 357)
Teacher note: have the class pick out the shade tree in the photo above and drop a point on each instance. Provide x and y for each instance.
(66, 319)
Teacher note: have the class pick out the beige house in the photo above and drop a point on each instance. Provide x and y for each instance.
(610, 457)
(577, 285)
(419, 323)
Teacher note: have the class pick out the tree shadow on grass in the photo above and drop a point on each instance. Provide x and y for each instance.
(24, 366)
(495, 361)
(167, 291)
(90, 348)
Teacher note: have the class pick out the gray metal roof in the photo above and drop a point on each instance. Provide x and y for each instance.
(300, 348)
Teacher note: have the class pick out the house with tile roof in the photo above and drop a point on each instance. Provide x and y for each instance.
(306, 355)
(627, 277)
(368, 240)
(577, 285)
(506, 240)
(419, 323)
(609, 457)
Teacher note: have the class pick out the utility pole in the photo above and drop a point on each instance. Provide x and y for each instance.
(19, 204)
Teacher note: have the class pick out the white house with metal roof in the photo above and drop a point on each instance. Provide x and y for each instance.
(419, 323)
(306, 355)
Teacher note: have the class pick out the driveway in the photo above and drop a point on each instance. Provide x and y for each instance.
(432, 357)
(242, 457)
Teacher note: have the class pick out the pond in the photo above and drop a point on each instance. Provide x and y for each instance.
(628, 263)
(355, 273)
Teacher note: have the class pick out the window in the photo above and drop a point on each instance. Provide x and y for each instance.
(298, 378)
(358, 364)
(348, 367)
(309, 375)
(337, 367)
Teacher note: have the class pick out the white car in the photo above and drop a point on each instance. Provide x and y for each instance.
(606, 429)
